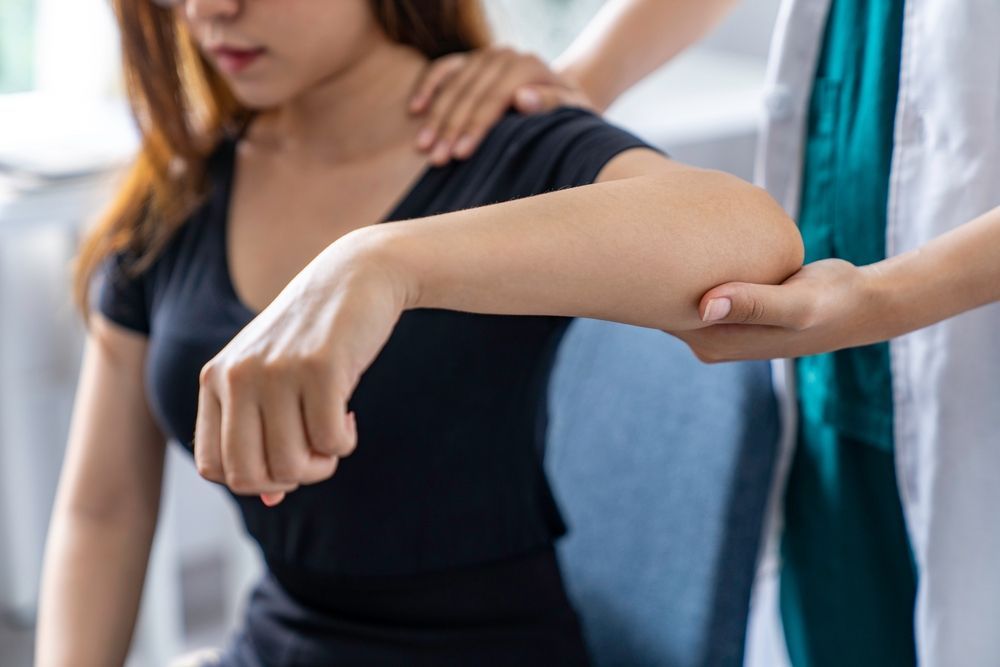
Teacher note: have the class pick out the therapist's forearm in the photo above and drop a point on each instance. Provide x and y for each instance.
(638, 250)
(629, 39)
(956, 272)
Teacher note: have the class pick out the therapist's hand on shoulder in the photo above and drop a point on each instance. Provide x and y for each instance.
(462, 96)
(273, 404)
(828, 305)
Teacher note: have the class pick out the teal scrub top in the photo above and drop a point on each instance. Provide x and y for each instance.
(845, 194)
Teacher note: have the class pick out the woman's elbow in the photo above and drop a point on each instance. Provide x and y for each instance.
(763, 240)
(783, 251)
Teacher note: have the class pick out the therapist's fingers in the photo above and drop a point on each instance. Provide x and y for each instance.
(208, 432)
(746, 303)
(485, 104)
(446, 91)
(433, 78)
(479, 107)
(446, 110)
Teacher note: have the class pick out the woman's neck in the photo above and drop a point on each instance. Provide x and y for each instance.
(358, 112)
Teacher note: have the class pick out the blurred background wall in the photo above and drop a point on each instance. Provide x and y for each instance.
(64, 132)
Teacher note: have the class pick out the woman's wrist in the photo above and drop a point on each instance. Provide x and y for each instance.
(380, 252)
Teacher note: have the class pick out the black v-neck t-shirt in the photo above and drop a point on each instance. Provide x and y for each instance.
(452, 413)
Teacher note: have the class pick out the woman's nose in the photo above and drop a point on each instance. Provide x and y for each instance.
(207, 10)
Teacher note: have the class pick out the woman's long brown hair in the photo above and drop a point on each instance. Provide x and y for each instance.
(183, 107)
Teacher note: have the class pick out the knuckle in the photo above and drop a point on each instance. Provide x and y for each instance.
(315, 367)
(207, 470)
(447, 63)
(242, 483)
(433, 118)
(277, 368)
(285, 472)
(453, 127)
(533, 62)
(321, 438)
(325, 444)
(321, 469)
(487, 114)
(207, 373)
(346, 446)
(805, 319)
(239, 373)
(752, 311)
(330, 467)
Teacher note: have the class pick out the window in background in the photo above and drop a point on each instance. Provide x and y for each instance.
(17, 22)
(545, 27)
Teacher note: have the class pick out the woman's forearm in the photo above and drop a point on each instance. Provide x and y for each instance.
(629, 39)
(954, 273)
(91, 587)
(638, 250)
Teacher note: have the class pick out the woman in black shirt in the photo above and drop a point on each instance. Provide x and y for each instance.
(277, 148)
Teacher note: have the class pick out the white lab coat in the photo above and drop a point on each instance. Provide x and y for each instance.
(946, 378)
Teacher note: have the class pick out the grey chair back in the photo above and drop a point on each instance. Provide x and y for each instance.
(662, 467)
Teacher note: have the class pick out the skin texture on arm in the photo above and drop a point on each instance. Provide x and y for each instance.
(640, 246)
(105, 512)
(564, 253)
(831, 304)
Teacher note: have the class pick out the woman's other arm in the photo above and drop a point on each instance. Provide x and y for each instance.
(105, 512)
(831, 304)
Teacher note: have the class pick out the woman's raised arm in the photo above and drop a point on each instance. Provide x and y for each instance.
(640, 246)
(637, 247)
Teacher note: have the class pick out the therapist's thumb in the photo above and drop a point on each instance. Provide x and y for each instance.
(746, 303)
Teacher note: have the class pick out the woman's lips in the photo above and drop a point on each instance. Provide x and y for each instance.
(232, 60)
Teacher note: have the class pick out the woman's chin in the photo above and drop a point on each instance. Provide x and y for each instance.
(258, 100)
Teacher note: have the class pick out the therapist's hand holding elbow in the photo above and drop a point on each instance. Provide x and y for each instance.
(831, 304)
(828, 305)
